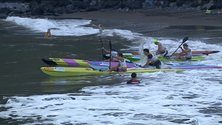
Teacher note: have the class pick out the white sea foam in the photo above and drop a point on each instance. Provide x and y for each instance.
(181, 98)
(67, 27)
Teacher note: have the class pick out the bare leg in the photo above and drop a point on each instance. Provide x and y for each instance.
(112, 69)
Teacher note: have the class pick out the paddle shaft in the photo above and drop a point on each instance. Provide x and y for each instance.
(101, 42)
(110, 47)
(184, 40)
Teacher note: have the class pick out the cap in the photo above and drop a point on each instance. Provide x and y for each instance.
(185, 44)
(155, 41)
(113, 49)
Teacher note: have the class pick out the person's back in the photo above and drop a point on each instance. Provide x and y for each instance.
(133, 80)
(113, 52)
(161, 48)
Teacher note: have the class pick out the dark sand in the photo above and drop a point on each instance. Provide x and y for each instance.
(172, 18)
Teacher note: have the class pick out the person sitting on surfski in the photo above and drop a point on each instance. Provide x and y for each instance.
(161, 48)
(122, 66)
(48, 34)
(187, 51)
(113, 52)
(133, 80)
(152, 60)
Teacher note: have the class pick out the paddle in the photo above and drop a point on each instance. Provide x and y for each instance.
(101, 42)
(184, 40)
(110, 47)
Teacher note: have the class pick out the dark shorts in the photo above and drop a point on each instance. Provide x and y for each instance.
(157, 64)
(164, 53)
(188, 58)
(120, 70)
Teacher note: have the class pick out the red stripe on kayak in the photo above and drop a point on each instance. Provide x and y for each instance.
(135, 53)
(202, 52)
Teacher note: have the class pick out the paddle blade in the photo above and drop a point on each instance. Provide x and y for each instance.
(185, 39)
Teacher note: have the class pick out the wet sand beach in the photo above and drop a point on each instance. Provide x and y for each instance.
(172, 18)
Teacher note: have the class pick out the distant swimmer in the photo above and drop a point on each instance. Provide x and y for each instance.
(101, 28)
(133, 79)
(48, 34)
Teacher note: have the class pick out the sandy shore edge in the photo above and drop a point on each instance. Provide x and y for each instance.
(172, 18)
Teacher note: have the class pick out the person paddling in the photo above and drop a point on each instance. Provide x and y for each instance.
(122, 66)
(113, 52)
(161, 48)
(152, 60)
(133, 80)
(187, 51)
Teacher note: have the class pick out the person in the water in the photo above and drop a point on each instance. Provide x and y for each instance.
(101, 28)
(48, 34)
(133, 79)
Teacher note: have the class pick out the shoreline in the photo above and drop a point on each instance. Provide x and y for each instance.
(172, 18)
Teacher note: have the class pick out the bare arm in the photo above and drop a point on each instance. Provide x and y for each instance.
(147, 63)
(184, 51)
(95, 25)
(159, 48)
(107, 51)
(120, 58)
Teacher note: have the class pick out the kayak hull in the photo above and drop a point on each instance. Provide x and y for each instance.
(73, 71)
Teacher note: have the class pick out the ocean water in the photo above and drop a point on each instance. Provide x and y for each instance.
(30, 97)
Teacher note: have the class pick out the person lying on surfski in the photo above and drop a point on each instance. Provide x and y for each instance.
(133, 79)
(152, 60)
(186, 50)
(113, 52)
(101, 28)
(161, 48)
(121, 67)
(48, 34)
